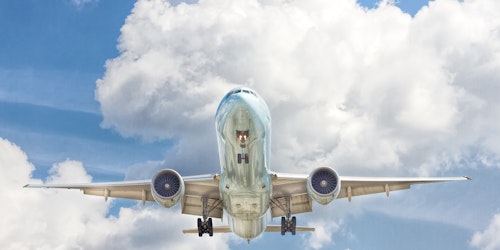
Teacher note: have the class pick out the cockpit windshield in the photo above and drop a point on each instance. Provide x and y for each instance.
(241, 90)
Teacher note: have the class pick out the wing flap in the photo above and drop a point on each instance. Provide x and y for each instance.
(299, 204)
(293, 187)
(194, 205)
(196, 191)
(125, 194)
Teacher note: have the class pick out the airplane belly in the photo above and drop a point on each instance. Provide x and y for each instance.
(248, 229)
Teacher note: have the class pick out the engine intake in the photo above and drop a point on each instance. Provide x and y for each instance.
(167, 187)
(323, 185)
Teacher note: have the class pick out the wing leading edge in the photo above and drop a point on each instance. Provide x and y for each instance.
(196, 188)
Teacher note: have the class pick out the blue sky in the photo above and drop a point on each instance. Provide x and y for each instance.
(90, 87)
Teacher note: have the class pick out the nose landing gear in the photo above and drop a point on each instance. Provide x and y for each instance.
(242, 157)
(242, 136)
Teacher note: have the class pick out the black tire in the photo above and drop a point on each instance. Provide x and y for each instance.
(239, 158)
(294, 225)
(283, 225)
(210, 227)
(200, 229)
(246, 158)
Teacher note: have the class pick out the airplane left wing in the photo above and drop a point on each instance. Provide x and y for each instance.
(292, 189)
(135, 190)
(355, 186)
(196, 189)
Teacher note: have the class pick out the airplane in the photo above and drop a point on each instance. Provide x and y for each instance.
(246, 190)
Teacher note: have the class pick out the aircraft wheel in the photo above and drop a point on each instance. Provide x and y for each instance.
(283, 226)
(293, 225)
(210, 227)
(200, 228)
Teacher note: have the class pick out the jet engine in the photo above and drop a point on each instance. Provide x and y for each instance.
(323, 185)
(167, 187)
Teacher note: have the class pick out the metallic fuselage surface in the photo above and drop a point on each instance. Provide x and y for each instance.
(243, 133)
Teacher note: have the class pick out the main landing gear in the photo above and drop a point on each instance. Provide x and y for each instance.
(205, 225)
(287, 224)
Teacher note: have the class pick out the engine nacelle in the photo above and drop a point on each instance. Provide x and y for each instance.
(323, 185)
(167, 187)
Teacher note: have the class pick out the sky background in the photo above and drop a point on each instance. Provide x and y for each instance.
(106, 91)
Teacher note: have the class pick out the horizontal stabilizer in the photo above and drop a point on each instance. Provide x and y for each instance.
(270, 228)
(277, 228)
(221, 229)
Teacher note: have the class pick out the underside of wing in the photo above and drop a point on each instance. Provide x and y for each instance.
(289, 189)
(198, 189)
(355, 186)
(290, 194)
(136, 190)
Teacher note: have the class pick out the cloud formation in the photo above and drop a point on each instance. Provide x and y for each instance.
(65, 219)
(361, 89)
(488, 239)
(371, 91)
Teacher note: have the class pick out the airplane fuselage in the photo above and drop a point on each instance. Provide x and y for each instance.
(243, 132)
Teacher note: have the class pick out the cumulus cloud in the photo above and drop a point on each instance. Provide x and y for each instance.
(66, 219)
(371, 91)
(488, 239)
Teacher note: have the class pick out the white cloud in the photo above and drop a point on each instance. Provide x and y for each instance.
(488, 239)
(322, 234)
(66, 219)
(374, 89)
(82, 3)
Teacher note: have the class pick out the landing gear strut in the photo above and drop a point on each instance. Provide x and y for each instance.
(287, 224)
(205, 225)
